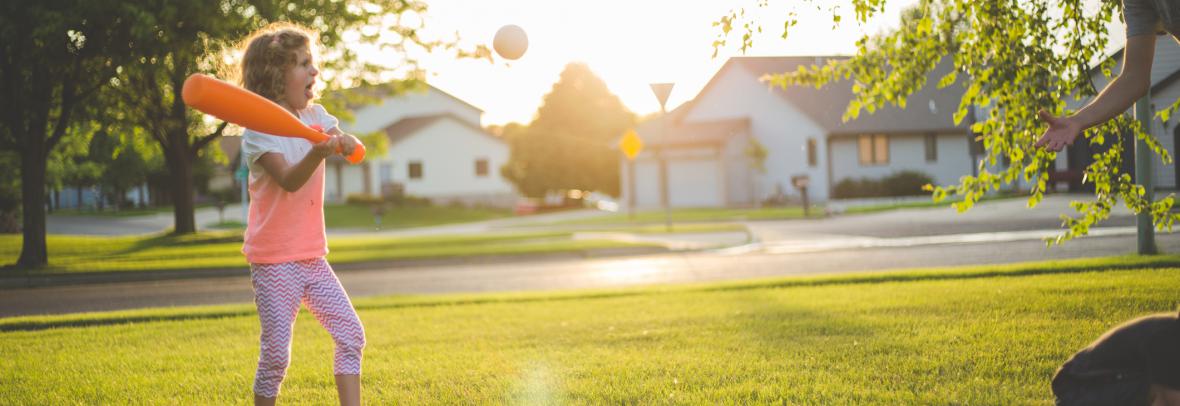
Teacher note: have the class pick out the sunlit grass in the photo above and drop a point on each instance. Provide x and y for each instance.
(222, 249)
(944, 336)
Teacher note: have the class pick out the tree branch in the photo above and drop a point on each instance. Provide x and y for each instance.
(205, 140)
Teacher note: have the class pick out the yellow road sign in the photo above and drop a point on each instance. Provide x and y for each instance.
(631, 144)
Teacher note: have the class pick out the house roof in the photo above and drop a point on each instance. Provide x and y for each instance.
(407, 127)
(692, 133)
(377, 90)
(1164, 71)
(928, 109)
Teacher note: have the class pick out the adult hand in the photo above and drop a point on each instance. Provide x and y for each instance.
(1062, 131)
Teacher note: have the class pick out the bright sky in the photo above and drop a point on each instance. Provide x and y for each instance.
(627, 43)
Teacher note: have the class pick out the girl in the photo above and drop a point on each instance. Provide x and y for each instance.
(284, 240)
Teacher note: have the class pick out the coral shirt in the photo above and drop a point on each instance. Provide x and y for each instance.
(285, 226)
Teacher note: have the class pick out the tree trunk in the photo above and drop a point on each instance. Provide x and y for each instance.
(180, 169)
(33, 253)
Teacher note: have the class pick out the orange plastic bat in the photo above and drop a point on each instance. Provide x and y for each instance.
(247, 109)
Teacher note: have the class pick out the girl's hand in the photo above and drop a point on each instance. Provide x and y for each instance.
(347, 143)
(325, 149)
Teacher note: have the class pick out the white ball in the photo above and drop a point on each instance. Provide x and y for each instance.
(510, 42)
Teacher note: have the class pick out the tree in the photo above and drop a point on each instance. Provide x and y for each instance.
(9, 193)
(570, 143)
(56, 55)
(1013, 58)
(191, 37)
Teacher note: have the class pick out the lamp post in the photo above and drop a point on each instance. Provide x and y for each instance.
(662, 90)
(1143, 177)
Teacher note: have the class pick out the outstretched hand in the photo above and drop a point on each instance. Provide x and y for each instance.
(1061, 132)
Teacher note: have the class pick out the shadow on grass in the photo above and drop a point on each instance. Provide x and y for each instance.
(971, 272)
(97, 322)
(168, 239)
(978, 272)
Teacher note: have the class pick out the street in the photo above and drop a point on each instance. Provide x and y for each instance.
(996, 233)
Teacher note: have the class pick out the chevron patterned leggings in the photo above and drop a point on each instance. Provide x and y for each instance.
(278, 290)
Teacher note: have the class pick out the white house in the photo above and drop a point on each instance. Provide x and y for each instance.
(1165, 90)
(437, 149)
(801, 129)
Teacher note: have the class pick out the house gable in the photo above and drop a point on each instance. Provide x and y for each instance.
(412, 126)
(390, 110)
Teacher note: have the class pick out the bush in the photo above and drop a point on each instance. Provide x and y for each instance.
(856, 188)
(904, 183)
(363, 199)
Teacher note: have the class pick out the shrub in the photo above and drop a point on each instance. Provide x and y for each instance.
(904, 183)
(363, 199)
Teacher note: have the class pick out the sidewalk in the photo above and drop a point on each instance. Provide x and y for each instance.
(133, 225)
(479, 227)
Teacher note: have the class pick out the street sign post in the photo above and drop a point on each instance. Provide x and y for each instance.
(631, 145)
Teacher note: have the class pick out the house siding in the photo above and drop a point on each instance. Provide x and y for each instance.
(906, 152)
(774, 122)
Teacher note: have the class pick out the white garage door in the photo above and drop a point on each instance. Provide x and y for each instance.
(694, 183)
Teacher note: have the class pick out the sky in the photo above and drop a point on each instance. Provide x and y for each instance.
(627, 43)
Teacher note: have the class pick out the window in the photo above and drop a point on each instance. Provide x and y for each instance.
(931, 147)
(812, 153)
(481, 168)
(415, 170)
(873, 149)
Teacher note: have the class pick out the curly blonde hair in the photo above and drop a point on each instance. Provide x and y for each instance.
(270, 53)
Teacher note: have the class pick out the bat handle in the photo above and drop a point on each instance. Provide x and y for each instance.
(358, 154)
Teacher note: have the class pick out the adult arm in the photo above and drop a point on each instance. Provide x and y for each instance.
(1131, 84)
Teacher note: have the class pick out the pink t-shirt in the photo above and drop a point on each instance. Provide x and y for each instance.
(285, 226)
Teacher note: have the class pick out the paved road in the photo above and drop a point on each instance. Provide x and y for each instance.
(570, 274)
(995, 233)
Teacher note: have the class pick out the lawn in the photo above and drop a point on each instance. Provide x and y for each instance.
(984, 335)
(222, 249)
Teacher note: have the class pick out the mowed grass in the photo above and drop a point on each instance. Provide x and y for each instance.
(984, 335)
(222, 249)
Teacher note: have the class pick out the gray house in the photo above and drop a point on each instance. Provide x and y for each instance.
(707, 139)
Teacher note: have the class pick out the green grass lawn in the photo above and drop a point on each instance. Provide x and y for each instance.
(358, 216)
(696, 215)
(984, 335)
(222, 249)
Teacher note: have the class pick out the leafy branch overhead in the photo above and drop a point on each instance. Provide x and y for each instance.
(1013, 59)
